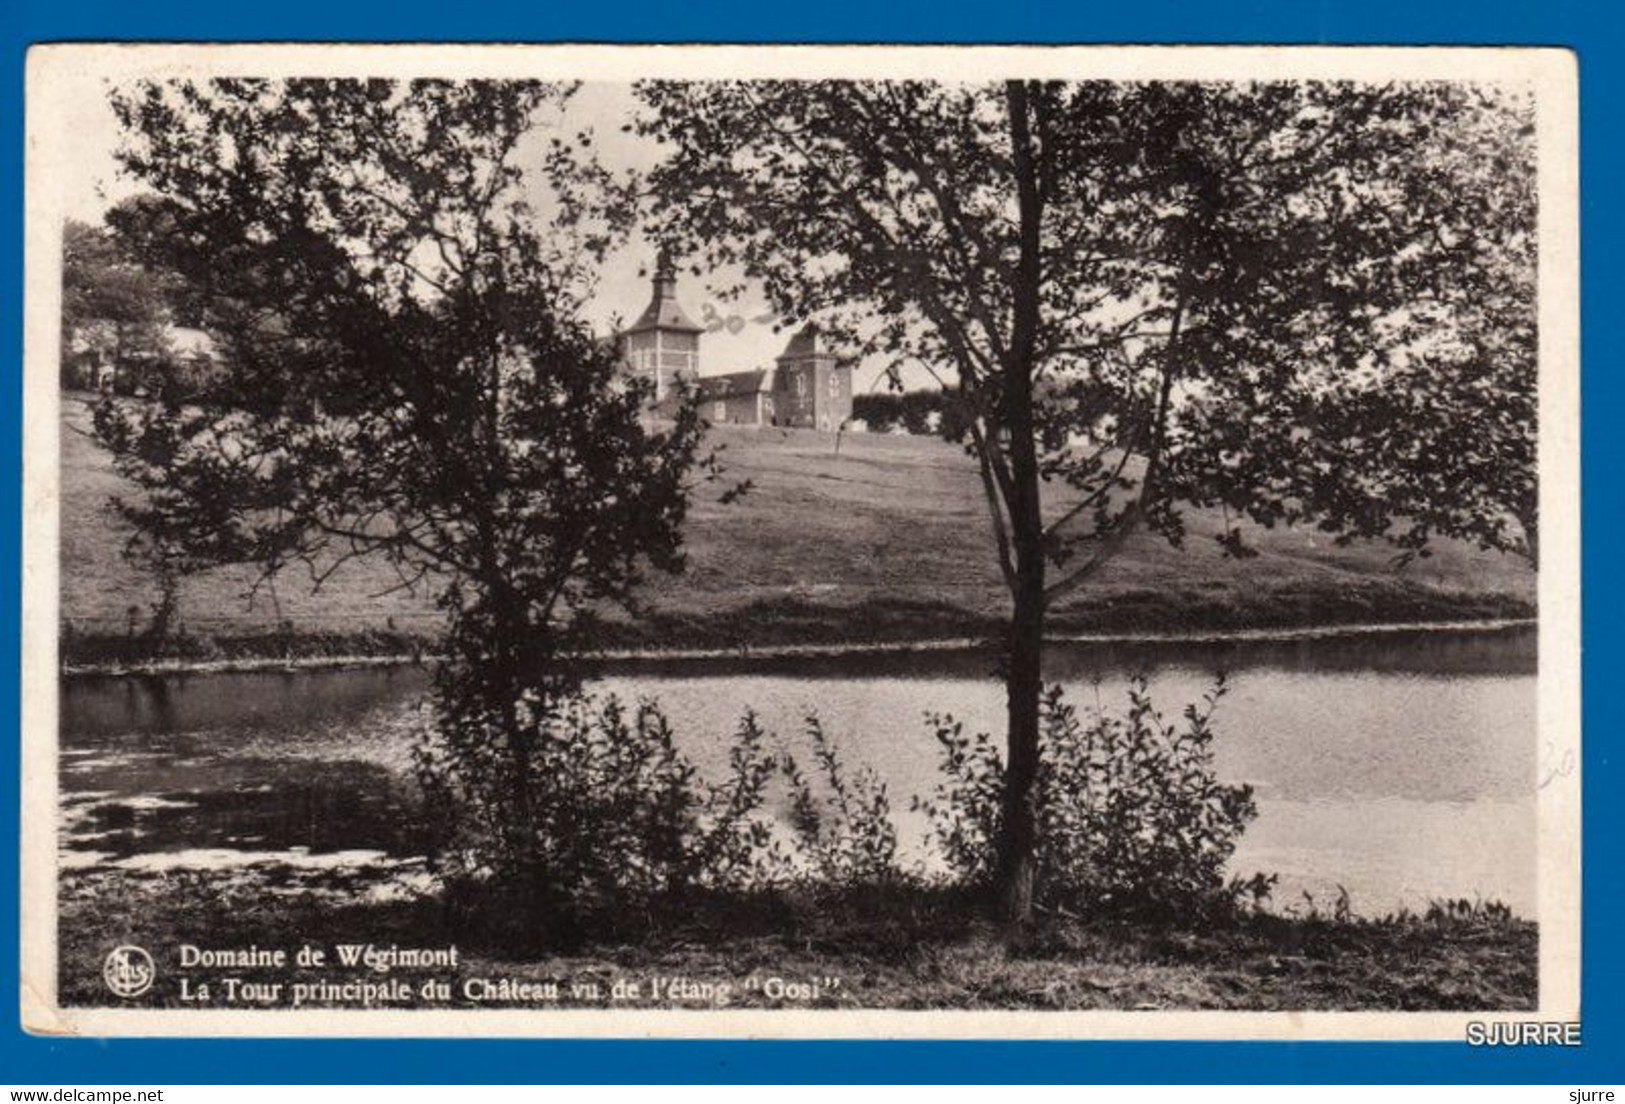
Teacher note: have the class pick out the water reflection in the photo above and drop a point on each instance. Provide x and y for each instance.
(137, 805)
(1400, 765)
(112, 706)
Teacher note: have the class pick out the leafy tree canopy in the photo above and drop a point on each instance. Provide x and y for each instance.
(109, 302)
(1214, 289)
(395, 270)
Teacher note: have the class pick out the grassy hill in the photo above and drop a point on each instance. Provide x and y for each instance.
(889, 540)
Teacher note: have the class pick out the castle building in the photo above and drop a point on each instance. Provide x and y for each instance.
(809, 385)
(738, 398)
(812, 385)
(663, 345)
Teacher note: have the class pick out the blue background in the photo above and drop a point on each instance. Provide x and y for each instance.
(1592, 29)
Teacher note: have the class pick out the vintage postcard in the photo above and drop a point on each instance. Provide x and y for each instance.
(802, 542)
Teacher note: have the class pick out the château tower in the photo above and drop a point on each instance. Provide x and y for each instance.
(664, 343)
(814, 384)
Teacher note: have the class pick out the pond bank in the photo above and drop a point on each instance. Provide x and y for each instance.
(918, 949)
(103, 656)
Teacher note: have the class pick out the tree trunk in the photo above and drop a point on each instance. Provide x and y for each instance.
(506, 680)
(1018, 842)
(163, 610)
(1017, 851)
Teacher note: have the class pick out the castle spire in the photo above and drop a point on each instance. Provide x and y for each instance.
(665, 280)
(663, 311)
(663, 345)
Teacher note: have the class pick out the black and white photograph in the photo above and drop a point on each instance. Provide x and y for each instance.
(801, 541)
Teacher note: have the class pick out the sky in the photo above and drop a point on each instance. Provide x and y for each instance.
(736, 338)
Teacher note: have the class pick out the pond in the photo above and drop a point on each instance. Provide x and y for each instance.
(1399, 766)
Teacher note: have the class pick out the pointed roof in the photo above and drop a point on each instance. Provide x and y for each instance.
(663, 311)
(808, 341)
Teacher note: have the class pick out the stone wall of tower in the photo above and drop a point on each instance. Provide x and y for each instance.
(663, 356)
(679, 354)
(795, 391)
(814, 392)
(836, 397)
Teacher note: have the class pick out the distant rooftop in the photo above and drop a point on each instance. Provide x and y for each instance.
(732, 383)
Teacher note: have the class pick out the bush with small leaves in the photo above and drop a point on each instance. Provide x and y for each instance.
(594, 811)
(845, 836)
(1132, 817)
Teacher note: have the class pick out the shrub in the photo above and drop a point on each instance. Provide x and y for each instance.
(965, 814)
(1132, 817)
(845, 836)
(593, 810)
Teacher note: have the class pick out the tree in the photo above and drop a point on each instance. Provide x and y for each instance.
(408, 381)
(118, 310)
(110, 304)
(1450, 440)
(1151, 297)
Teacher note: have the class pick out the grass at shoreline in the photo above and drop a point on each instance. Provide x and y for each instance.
(795, 624)
(885, 543)
(918, 949)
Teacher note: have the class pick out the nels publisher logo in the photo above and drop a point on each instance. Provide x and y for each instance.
(128, 971)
